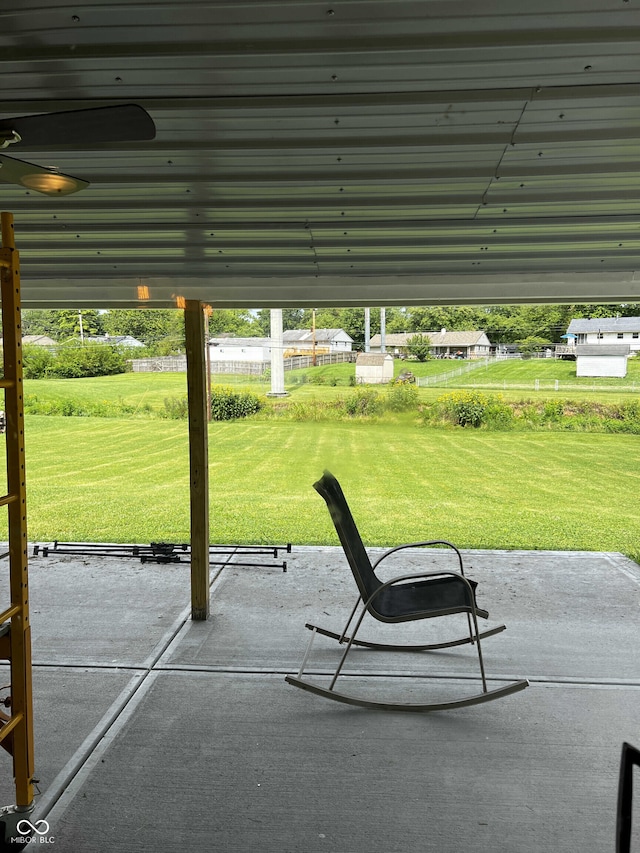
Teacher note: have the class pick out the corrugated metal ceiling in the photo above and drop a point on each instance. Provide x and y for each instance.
(340, 153)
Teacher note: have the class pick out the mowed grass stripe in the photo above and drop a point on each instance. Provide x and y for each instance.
(128, 481)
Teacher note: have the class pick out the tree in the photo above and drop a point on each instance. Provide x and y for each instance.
(79, 323)
(435, 317)
(420, 346)
(40, 321)
(159, 329)
(292, 318)
(236, 321)
(532, 344)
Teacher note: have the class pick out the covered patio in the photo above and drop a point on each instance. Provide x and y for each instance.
(157, 733)
(359, 153)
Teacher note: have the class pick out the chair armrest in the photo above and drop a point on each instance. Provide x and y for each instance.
(416, 575)
(419, 545)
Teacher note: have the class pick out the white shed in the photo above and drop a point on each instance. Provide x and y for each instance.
(602, 360)
(374, 368)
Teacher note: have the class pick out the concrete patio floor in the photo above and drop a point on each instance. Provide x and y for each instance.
(154, 733)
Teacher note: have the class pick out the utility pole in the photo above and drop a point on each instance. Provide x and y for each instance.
(367, 329)
(313, 335)
(383, 329)
(277, 355)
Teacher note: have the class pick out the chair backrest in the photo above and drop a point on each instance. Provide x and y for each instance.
(329, 488)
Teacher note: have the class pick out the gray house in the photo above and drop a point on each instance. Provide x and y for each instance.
(444, 344)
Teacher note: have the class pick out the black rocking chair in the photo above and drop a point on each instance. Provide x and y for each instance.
(409, 597)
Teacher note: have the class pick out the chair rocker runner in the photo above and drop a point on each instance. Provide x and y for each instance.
(406, 598)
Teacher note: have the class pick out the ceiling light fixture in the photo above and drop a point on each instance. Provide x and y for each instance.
(52, 183)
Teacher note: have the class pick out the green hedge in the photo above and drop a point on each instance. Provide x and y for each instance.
(474, 409)
(74, 361)
(228, 405)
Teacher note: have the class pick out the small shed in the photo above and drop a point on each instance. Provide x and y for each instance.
(374, 368)
(602, 360)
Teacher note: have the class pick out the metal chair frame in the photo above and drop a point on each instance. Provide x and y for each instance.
(367, 605)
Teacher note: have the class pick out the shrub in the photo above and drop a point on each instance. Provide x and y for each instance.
(630, 411)
(553, 410)
(363, 401)
(72, 362)
(227, 405)
(402, 396)
(498, 414)
(83, 408)
(36, 362)
(467, 408)
(175, 408)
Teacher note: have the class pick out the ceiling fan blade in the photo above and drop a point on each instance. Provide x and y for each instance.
(76, 128)
(37, 178)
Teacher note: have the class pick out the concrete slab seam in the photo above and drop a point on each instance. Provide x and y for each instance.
(72, 784)
(70, 779)
(628, 572)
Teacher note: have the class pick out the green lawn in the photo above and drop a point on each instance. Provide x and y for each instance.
(127, 480)
(132, 389)
(513, 378)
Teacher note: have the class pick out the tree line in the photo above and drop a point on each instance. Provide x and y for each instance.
(162, 330)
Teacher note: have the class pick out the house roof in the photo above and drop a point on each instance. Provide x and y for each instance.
(365, 153)
(119, 340)
(324, 335)
(452, 339)
(604, 324)
(38, 340)
(231, 341)
(457, 339)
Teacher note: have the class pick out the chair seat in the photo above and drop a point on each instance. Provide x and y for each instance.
(423, 599)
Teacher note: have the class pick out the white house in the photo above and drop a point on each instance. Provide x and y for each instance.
(374, 368)
(602, 360)
(227, 348)
(605, 330)
(328, 340)
(444, 344)
(239, 349)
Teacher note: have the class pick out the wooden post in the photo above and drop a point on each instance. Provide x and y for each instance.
(198, 458)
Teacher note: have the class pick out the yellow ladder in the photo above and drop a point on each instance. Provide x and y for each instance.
(16, 728)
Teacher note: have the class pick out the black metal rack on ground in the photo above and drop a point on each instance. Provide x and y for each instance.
(166, 552)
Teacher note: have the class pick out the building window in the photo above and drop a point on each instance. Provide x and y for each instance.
(620, 335)
(634, 335)
(600, 336)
